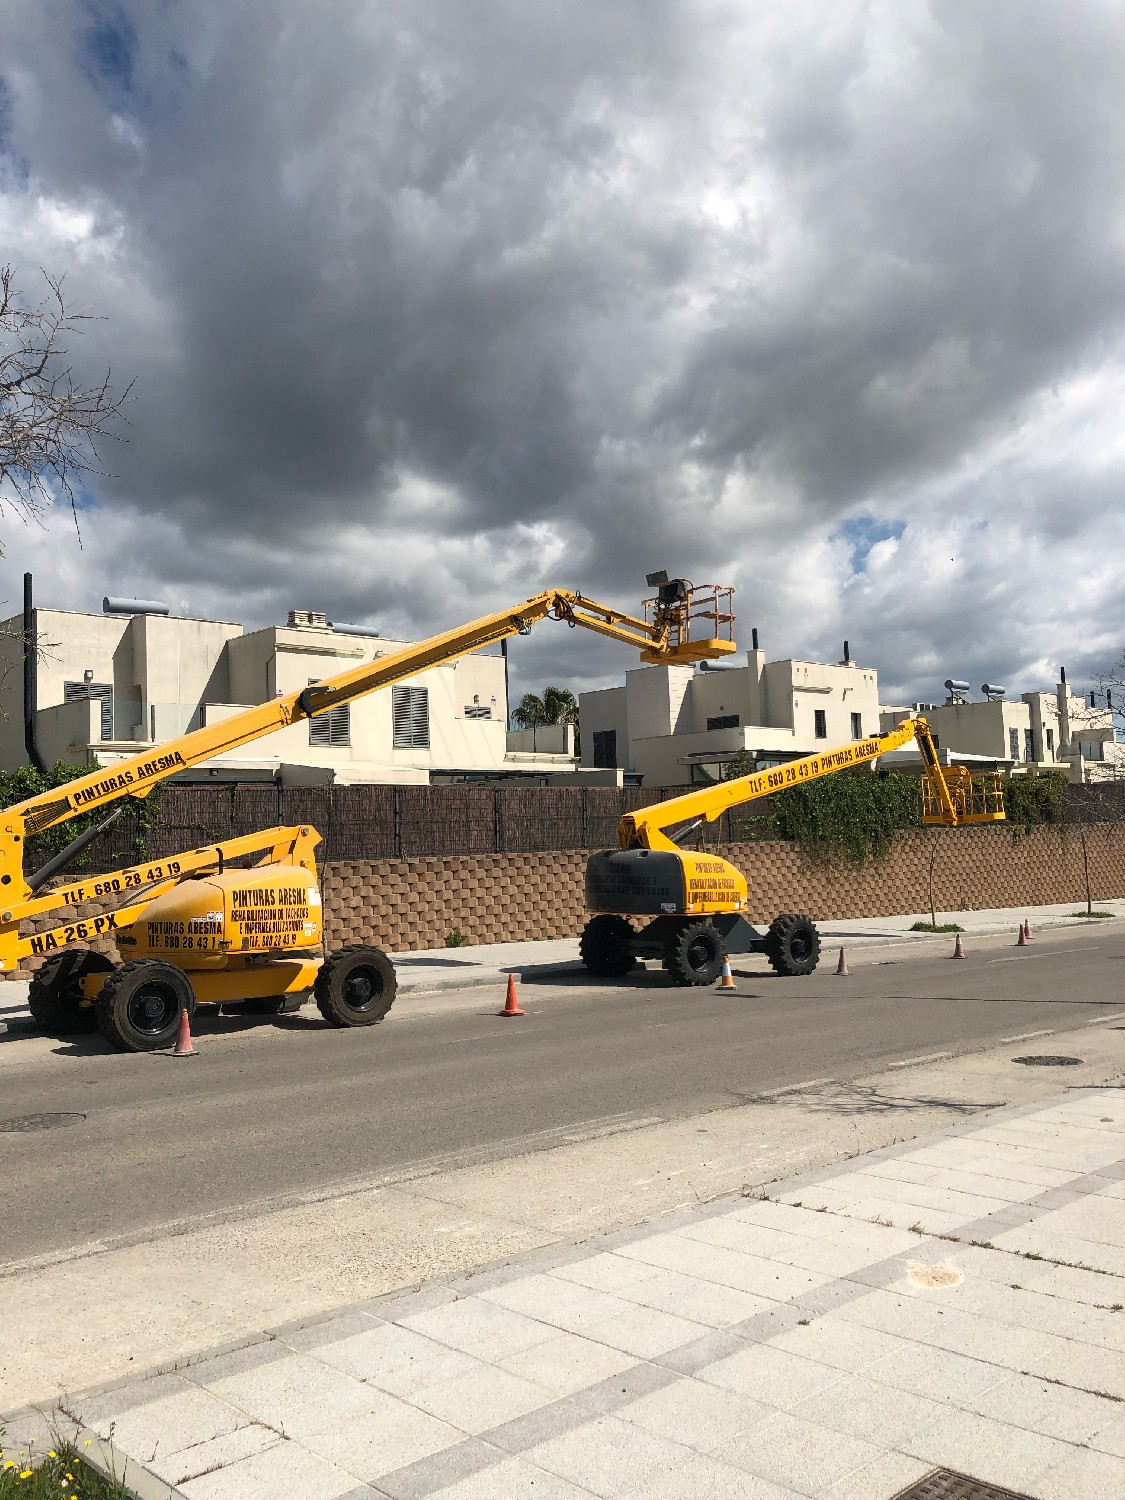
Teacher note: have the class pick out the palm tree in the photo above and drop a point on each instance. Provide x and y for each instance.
(556, 706)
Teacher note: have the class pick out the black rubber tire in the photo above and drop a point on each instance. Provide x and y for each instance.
(605, 946)
(694, 954)
(355, 986)
(55, 993)
(792, 945)
(139, 1005)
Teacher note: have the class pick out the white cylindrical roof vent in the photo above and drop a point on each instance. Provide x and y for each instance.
(992, 690)
(112, 606)
(955, 685)
(355, 629)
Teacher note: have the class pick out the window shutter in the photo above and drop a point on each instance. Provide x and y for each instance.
(333, 727)
(410, 712)
(79, 692)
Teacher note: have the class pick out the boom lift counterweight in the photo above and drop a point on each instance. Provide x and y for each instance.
(697, 901)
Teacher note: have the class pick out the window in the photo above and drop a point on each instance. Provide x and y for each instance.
(333, 727)
(410, 710)
(723, 721)
(1028, 746)
(1013, 744)
(605, 749)
(80, 692)
(857, 726)
(478, 711)
(820, 723)
(1090, 749)
(1050, 744)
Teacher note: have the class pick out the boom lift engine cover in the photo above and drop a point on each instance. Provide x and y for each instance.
(697, 901)
(197, 928)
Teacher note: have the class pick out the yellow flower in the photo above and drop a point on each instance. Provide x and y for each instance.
(89, 1441)
(70, 1477)
(9, 1464)
(52, 1454)
(26, 1474)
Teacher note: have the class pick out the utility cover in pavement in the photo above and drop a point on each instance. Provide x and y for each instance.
(945, 1484)
(1050, 1060)
(39, 1122)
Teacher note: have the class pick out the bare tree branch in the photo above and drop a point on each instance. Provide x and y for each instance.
(49, 423)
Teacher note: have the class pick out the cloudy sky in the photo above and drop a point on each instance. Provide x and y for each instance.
(432, 304)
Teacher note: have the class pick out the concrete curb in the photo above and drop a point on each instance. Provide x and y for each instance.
(101, 1456)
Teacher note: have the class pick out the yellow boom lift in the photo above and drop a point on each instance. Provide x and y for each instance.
(195, 930)
(697, 901)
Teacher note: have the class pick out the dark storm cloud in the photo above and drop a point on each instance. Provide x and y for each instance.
(431, 305)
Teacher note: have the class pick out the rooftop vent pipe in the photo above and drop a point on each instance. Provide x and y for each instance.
(754, 639)
(112, 606)
(355, 629)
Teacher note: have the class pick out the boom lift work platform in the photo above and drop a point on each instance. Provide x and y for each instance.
(697, 901)
(196, 930)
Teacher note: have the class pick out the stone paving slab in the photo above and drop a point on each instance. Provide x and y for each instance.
(790, 1345)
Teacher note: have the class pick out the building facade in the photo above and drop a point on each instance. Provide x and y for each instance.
(109, 686)
(678, 726)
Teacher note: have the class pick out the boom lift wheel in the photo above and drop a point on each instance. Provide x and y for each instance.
(355, 986)
(693, 954)
(55, 994)
(792, 945)
(605, 946)
(139, 1005)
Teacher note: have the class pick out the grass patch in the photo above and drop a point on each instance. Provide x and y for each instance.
(59, 1472)
(1090, 914)
(936, 927)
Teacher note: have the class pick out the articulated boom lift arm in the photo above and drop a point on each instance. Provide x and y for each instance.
(957, 799)
(664, 637)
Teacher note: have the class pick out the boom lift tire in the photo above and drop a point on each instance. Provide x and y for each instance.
(693, 954)
(355, 986)
(792, 945)
(138, 1007)
(55, 994)
(605, 946)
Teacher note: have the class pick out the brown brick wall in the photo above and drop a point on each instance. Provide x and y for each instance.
(492, 898)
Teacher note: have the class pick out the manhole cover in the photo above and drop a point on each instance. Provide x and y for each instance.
(1049, 1060)
(39, 1122)
(945, 1484)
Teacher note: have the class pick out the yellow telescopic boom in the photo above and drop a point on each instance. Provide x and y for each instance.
(950, 799)
(682, 624)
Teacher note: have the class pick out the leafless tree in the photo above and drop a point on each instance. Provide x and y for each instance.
(49, 422)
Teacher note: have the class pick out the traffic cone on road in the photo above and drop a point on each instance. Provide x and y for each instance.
(842, 964)
(1027, 929)
(511, 1004)
(1021, 941)
(958, 948)
(726, 980)
(183, 1047)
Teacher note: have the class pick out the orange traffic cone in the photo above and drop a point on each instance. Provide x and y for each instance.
(511, 1004)
(183, 1047)
(726, 980)
(842, 964)
(1027, 929)
(958, 948)
(1021, 941)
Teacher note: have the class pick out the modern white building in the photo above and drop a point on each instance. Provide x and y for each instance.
(675, 726)
(1056, 731)
(110, 685)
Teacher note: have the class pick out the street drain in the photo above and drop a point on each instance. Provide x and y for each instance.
(945, 1484)
(39, 1122)
(1049, 1060)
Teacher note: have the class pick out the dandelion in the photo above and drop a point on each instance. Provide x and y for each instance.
(52, 1454)
(88, 1441)
(26, 1474)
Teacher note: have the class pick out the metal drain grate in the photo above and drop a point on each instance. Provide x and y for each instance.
(39, 1122)
(1049, 1060)
(946, 1484)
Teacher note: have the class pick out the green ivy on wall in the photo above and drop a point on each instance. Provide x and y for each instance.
(27, 781)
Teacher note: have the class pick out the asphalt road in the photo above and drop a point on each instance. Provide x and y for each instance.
(290, 1106)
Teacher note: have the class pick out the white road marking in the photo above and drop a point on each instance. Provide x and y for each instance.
(911, 1062)
(1101, 1020)
(1026, 1036)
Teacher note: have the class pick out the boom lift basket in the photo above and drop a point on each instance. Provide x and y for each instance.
(978, 797)
(699, 621)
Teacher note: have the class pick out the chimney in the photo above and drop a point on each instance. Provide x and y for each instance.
(847, 654)
(754, 639)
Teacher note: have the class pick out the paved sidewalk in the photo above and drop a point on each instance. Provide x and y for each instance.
(430, 970)
(954, 1302)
